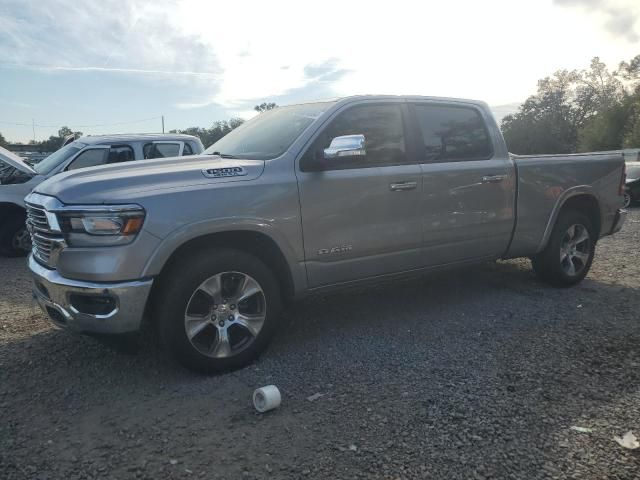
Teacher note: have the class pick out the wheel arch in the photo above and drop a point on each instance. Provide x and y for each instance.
(10, 208)
(255, 242)
(581, 199)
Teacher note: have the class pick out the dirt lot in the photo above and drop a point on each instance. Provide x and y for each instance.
(474, 374)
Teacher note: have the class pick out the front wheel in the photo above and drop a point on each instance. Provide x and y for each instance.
(218, 309)
(627, 200)
(567, 258)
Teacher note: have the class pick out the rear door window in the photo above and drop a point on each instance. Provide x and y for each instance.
(161, 150)
(89, 158)
(452, 133)
(120, 153)
(187, 149)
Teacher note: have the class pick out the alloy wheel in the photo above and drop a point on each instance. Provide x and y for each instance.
(225, 314)
(575, 250)
(21, 240)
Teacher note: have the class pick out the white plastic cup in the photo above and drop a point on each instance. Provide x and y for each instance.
(266, 398)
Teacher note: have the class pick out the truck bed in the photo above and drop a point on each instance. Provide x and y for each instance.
(545, 182)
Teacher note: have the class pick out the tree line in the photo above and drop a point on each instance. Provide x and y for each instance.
(219, 129)
(579, 111)
(572, 111)
(208, 136)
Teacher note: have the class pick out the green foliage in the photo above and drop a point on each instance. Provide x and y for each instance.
(631, 136)
(263, 107)
(54, 142)
(604, 131)
(593, 109)
(209, 136)
(3, 142)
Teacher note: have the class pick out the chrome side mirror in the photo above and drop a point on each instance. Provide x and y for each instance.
(345, 146)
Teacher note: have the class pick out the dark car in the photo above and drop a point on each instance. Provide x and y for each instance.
(632, 184)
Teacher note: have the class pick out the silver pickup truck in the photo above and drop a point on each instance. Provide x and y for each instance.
(301, 199)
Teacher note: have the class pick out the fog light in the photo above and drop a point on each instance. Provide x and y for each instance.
(93, 304)
(56, 316)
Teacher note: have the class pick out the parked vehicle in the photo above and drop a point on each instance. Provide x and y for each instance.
(18, 178)
(303, 199)
(632, 184)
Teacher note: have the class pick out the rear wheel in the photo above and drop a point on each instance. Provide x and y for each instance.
(627, 200)
(14, 236)
(567, 258)
(218, 310)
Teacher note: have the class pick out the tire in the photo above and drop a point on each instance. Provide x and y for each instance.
(201, 293)
(554, 264)
(14, 237)
(627, 200)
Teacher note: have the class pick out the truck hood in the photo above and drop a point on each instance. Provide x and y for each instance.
(14, 160)
(123, 182)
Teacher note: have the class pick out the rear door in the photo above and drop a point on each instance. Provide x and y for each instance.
(361, 216)
(468, 189)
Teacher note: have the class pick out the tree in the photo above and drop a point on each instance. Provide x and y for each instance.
(546, 122)
(209, 136)
(3, 142)
(66, 131)
(263, 107)
(592, 109)
(54, 142)
(630, 72)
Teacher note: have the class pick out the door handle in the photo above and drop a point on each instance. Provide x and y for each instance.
(402, 186)
(493, 178)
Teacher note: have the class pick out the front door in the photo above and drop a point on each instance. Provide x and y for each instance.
(361, 215)
(468, 189)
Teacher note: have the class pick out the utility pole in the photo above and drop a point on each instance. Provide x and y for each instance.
(33, 126)
(162, 123)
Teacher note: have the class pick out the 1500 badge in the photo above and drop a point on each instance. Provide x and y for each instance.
(224, 172)
(339, 249)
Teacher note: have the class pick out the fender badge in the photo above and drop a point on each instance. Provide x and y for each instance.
(224, 172)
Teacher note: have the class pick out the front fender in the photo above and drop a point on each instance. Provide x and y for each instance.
(192, 231)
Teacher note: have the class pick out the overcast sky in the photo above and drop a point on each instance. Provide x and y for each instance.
(97, 62)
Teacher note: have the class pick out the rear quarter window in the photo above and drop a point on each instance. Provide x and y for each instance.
(161, 150)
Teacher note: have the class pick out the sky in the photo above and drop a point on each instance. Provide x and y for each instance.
(108, 66)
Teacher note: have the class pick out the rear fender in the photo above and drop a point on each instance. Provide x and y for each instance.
(572, 192)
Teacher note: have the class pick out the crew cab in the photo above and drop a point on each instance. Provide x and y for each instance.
(18, 178)
(302, 199)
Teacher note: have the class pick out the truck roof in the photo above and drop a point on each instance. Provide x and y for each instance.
(405, 97)
(134, 137)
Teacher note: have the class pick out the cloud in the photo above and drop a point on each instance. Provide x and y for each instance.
(327, 71)
(110, 35)
(621, 18)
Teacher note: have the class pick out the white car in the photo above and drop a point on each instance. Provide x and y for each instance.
(18, 178)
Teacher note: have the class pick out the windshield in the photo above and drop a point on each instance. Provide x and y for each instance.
(269, 134)
(57, 157)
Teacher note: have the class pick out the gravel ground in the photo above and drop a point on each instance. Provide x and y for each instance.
(471, 374)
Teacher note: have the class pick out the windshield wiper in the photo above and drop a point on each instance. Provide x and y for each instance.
(223, 155)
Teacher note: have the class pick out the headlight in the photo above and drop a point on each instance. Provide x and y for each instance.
(101, 226)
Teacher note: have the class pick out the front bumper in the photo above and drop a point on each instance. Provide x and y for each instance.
(67, 302)
(618, 221)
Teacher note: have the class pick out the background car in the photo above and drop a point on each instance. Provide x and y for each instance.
(632, 184)
(18, 178)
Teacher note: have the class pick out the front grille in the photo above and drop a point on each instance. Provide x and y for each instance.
(43, 240)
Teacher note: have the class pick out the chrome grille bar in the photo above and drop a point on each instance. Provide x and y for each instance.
(45, 241)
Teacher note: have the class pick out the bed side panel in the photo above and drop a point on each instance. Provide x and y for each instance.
(546, 182)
